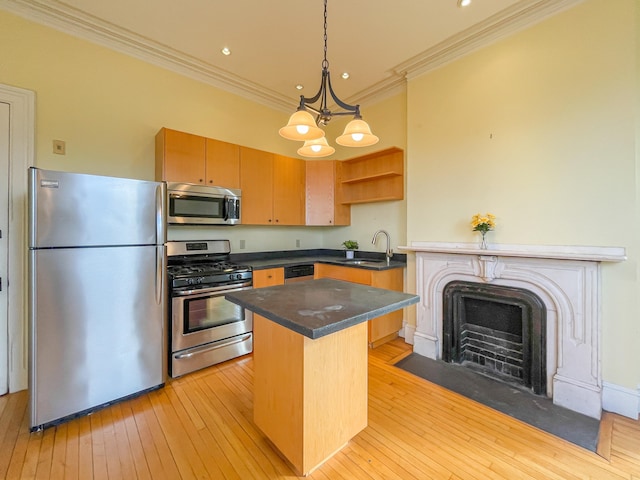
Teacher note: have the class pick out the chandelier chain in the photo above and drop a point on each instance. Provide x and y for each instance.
(301, 125)
(325, 62)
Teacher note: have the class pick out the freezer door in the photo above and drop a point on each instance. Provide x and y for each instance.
(71, 209)
(97, 319)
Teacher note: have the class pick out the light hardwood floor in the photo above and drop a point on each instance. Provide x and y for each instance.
(200, 426)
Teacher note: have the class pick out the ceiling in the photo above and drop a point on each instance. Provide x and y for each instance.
(278, 44)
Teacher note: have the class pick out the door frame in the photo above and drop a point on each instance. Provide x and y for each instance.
(21, 157)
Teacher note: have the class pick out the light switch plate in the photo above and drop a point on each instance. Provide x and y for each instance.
(59, 147)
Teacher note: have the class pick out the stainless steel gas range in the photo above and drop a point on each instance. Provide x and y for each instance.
(205, 328)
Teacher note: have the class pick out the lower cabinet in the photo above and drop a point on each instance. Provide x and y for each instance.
(383, 328)
(268, 277)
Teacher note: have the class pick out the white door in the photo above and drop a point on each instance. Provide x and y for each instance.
(4, 250)
(17, 141)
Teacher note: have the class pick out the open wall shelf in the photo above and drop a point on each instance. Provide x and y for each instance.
(375, 177)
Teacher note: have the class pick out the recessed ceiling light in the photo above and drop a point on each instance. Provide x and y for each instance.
(226, 51)
(464, 3)
(345, 75)
(299, 86)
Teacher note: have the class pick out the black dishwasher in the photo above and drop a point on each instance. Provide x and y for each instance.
(298, 273)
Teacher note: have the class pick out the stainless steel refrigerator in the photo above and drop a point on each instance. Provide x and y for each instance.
(97, 281)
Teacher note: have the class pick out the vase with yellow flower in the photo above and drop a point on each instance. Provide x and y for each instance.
(483, 224)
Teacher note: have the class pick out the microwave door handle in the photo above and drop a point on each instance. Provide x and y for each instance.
(227, 207)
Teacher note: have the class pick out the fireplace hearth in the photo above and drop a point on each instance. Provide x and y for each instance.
(496, 330)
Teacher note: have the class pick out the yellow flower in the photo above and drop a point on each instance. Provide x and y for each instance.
(483, 223)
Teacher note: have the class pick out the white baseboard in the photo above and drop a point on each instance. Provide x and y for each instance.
(407, 332)
(620, 400)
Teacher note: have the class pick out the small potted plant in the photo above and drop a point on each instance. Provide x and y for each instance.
(350, 246)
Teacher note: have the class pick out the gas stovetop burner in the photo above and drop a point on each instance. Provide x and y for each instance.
(203, 264)
(186, 270)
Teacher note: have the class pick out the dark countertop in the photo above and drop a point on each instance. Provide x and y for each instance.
(315, 308)
(263, 260)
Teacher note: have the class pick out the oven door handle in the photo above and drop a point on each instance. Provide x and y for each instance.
(207, 348)
(205, 291)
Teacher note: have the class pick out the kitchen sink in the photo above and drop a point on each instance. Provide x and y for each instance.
(364, 261)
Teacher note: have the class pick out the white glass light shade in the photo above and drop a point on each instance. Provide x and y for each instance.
(301, 126)
(316, 148)
(357, 133)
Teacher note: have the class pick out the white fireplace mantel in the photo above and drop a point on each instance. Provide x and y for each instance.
(566, 278)
(594, 254)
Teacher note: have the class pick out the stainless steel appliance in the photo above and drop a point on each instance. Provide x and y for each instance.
(205, 328)
(298, 273)
(97, 292)
(192, 204)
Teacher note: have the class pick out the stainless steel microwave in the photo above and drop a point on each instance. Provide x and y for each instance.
(192, 204)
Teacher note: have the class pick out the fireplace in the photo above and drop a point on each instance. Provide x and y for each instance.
(496, 330)
(564, 279)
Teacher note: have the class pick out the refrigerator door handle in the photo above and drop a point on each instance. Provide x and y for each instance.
(160, 214)
(159, 274)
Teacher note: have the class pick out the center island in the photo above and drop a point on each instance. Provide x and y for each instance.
(310, 363)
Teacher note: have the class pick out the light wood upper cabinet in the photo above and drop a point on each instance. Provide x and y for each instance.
(280, 190)
(268, 277)
(383, 328)
(272, 188)
(256, 182)
(288, 190)
(375, 177)
(180, 157)
(222, 164)
(187, 158)
(324, 194)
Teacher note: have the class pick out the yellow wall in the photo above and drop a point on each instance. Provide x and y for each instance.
(107, 107)
(541, 130)
(388, 121)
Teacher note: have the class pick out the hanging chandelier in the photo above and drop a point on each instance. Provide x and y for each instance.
(302, 126)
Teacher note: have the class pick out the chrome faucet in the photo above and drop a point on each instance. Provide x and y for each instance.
(389, 252)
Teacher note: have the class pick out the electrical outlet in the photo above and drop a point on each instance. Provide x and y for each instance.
(242, 244)
(297, 243)
(59, 147)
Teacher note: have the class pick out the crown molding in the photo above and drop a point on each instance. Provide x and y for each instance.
(61, 17)
(72, 21)
(521, 15)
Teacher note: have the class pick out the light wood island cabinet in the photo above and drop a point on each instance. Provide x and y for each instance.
(383, 328)
(310, 396)
(310, 382)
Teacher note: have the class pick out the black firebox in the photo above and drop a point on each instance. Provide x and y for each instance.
(497, 329)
